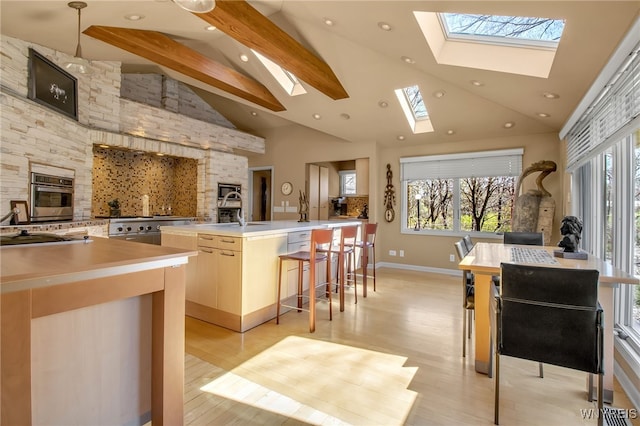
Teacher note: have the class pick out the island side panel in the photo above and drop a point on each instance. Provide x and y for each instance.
(167, 386)
(15, 357)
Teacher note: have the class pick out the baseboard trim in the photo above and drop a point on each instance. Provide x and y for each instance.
(453, 272)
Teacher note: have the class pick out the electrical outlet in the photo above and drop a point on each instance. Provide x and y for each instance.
(401, 253)
(392, 252)
(452, 258)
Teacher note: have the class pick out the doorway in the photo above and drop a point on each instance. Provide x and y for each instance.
(260, 193)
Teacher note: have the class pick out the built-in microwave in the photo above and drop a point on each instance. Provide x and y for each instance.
(51, 198)
(225, 188)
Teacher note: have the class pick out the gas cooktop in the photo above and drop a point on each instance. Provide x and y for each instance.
(24, 237)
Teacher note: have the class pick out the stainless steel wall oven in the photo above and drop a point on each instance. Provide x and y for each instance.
(51, 198)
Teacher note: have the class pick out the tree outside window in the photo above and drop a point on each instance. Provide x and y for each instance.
(482, 204)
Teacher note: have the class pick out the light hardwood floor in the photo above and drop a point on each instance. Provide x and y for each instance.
(413, 315)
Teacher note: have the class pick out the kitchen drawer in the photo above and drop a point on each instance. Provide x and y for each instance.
(220, 242)
(299, 236)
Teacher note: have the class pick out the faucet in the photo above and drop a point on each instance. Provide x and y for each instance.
(240, 214)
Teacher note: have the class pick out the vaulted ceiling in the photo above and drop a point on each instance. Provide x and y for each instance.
(349, 69)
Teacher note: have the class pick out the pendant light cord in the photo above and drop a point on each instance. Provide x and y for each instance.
(78, 48)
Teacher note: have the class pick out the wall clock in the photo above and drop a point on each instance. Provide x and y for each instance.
(286, 188)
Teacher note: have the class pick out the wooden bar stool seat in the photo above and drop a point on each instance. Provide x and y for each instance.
(321, 239)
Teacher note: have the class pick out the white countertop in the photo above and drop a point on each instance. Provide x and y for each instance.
(255, 228)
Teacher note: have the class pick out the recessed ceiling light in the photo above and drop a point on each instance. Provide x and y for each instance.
(477, 83)
(400, 137)
(550, 95)
(451, 132)
(103, 146)
(317, 116)
(210, 28)
(508, 124)
(244, 58)
(345, 116)
(384, 26)
(543, 115)
(255, 114)
(159, 154)
(383, 104)
(134, 17)
(439, 94)
(328, 22)
(408, 60)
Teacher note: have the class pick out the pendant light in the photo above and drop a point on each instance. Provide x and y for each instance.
(196, 6)
(78, 64)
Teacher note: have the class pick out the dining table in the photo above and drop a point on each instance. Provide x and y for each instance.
(484, 261)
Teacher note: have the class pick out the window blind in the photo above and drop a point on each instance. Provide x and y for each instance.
(614, 113)
(473, 164)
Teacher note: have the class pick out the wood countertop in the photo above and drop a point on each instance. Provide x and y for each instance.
(32, 266)
(256, 229)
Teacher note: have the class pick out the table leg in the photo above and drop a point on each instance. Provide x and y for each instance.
(482, 323)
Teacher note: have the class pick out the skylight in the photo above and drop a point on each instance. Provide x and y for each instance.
(288, 81)
(414, 109)
(513, 44)
(503, 28)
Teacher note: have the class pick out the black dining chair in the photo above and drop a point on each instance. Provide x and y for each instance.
(468, 296)
(524, 238)
(468, 242)
(549, 315)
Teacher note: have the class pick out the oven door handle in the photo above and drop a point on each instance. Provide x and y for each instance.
(54, 189)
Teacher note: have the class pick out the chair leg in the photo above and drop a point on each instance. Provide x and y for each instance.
(300, 278)
(469, 319)
(279, 290)
(464, 332)
(600, 399)
(541, 370)
(330, 285)
(373, 250)
(496, 409)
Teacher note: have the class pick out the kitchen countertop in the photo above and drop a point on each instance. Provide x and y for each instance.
(32, 266)
(255, 229)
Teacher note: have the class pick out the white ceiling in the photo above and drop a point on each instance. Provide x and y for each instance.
(365, 59)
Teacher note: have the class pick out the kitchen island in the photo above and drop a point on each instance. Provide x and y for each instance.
(233, 280)
(92, 333)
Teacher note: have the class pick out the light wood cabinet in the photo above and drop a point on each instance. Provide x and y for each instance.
(318, 193)
(219, 282)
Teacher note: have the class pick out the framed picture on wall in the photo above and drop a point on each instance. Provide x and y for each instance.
(22, 215)
(51, 86)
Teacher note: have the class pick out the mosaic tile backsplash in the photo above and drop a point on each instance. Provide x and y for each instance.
(170, 183)
(355, 205)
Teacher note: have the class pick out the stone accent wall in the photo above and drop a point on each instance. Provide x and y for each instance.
(163, 92)
(170, 183)
(225, 168)
(34, 133)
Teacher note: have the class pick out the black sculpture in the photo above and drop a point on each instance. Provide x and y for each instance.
(571, 229)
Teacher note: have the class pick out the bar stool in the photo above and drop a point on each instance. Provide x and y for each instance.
(368, 242)
(346, 255)
(320, 238)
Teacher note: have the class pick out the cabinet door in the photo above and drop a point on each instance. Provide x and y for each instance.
(314, 191)
(323, 194)
(229, 265)
(205, 290)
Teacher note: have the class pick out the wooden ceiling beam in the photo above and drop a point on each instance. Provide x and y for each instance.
(245, 24)
(159, 48)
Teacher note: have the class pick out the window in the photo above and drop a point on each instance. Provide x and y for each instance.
(501, 28)
(288, 81)
(459, 193)
(347, 182)
(414, 109)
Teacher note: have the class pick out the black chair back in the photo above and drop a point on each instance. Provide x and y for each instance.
(551, 315)
(524, 238)
(467, 242)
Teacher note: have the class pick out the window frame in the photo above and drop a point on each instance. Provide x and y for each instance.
(343, 174)
(408, 167)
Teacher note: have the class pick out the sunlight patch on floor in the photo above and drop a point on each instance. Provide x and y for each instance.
(322, 383)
